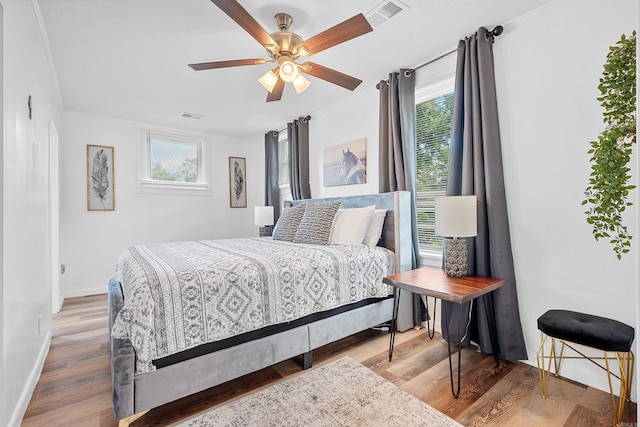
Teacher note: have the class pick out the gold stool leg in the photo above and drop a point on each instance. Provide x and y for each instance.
(616, 413)
(557, 360)
(543, 373)
(626, 365)
(630, 366)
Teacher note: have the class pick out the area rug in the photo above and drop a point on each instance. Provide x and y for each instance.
(342, 393)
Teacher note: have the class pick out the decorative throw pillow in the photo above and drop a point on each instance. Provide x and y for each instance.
(288, 223)
(374, 232)
(317, 222)
(351, 225)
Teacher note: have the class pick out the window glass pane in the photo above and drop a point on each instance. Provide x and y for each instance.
(433, 133)
(172, 160)
(283, 160)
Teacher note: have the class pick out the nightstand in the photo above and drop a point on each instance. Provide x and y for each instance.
(433, 282)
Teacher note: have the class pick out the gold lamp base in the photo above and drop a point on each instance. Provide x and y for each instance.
(456, 256)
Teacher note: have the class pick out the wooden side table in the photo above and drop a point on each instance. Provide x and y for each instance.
(433, 282)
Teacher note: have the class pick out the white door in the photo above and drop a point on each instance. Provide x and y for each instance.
(54, 218)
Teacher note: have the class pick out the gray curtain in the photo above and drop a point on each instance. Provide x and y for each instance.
(397, 153)
(475, 167)
(272, 171)
(298, 134)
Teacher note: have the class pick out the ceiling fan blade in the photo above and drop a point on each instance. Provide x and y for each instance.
(276, 93)
(347, 30)
(239, 14)
(224, 64)
(332, 76)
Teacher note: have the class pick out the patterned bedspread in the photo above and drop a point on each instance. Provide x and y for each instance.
(180, 295)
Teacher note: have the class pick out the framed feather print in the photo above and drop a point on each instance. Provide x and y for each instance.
(237, 182)
(100, 188)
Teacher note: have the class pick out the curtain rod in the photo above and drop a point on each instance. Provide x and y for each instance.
(431, 61)
(434, 59)
(304, 120)
(490, 36)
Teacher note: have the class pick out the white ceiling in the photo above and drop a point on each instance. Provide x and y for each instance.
(128, 58)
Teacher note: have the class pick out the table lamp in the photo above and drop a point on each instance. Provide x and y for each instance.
(263, 219)
(456, 216)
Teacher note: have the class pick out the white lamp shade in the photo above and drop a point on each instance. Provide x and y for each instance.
(263, 215)
(288, 71)
(268, 80)
(456, 216)
(300, 84)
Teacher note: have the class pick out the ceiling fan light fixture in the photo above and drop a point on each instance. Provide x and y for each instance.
(303, 51)
(285, 47)
(269, 80)
(288, 71)
(300, 84)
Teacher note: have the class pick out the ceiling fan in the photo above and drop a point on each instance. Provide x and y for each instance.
(285, 47)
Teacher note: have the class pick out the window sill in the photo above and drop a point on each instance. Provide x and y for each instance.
(149, 186)
(430, 259)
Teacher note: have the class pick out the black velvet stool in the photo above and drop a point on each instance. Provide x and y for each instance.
(611, 337)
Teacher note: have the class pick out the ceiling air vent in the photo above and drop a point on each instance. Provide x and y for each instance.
(191, 116)
(385, 11)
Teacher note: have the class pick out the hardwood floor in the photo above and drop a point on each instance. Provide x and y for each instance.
(75, 385)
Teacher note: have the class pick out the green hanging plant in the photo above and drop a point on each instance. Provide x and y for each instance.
(608, 190)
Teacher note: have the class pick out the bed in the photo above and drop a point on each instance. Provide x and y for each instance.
(149, 372)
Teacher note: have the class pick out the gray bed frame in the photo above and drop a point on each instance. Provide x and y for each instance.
(133, 395)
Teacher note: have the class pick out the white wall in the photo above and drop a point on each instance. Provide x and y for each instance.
(4, 416)
(354, 118)
(25, 287)
(547, 89)
(547, 69)
(93, 240)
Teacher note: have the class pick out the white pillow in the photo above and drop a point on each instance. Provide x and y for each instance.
(351, 225)
(374, 232)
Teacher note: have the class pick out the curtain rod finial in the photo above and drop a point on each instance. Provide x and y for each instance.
(497, 30)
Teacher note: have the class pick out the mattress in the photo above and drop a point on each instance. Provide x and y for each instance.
(184, 294)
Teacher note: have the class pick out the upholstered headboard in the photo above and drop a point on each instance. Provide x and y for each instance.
(396, 233)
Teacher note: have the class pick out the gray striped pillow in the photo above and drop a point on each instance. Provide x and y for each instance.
(288, 223)
(317, 223)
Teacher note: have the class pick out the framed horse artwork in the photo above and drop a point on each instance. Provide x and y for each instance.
(346, 164)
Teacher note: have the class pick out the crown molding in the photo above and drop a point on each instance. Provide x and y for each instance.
(536, 13)
(47, 48)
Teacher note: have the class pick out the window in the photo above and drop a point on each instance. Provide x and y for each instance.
(434, 110)
(283, 160)
(173, 162)
(283, 169)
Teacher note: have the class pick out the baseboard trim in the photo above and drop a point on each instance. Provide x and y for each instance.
(85, 292)
(30, 386)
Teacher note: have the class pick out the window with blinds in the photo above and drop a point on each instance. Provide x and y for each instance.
(283, 160)
(284, 165)
(433, 133)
